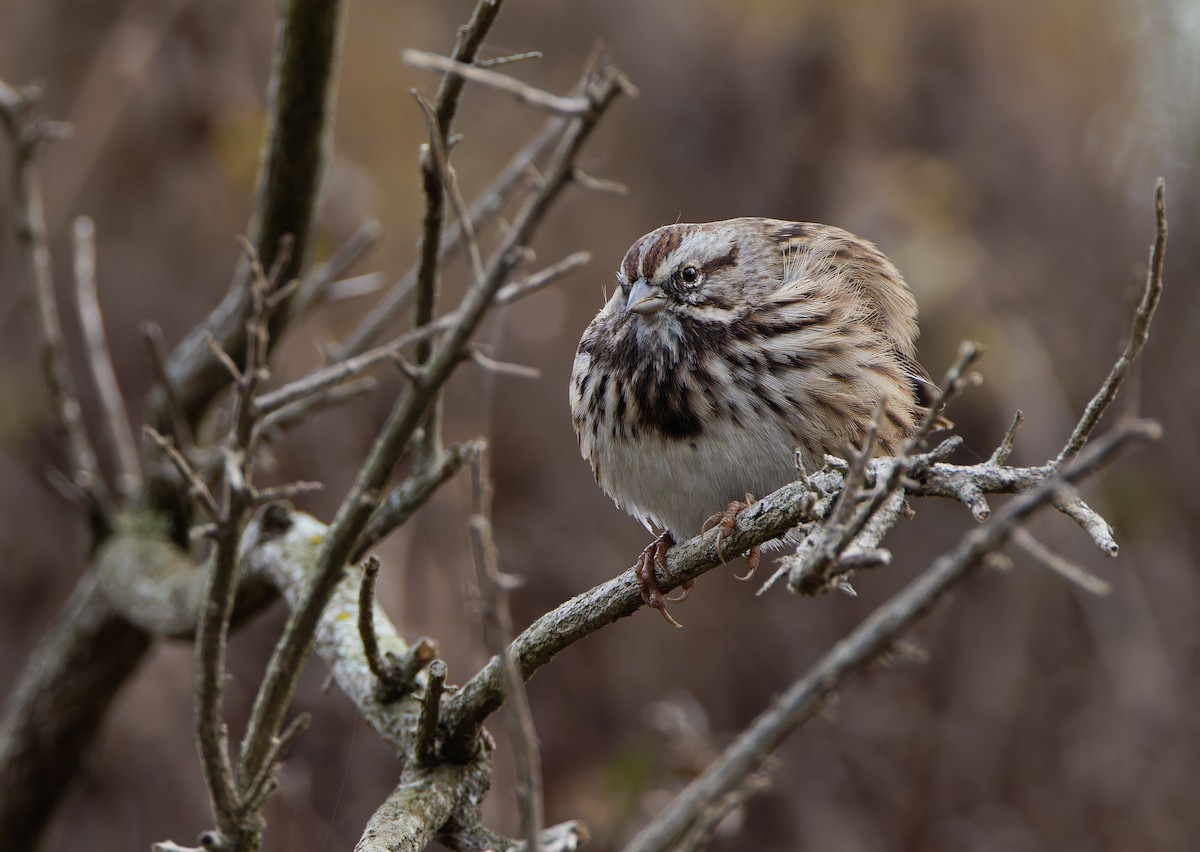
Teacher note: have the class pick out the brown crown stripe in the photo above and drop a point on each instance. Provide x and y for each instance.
(629, 267)
(667, 241)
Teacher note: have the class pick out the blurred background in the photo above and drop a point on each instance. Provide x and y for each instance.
(1002, 154)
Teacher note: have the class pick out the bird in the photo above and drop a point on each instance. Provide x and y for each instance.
(729, 352)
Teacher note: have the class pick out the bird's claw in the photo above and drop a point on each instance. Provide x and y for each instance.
(723, 522)
(655, 555)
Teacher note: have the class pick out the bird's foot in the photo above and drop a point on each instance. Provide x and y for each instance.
(723, 522)
(655, 555)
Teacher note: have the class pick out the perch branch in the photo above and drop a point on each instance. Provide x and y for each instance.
(866, 642)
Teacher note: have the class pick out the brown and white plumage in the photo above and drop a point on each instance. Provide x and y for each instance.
(728, 346)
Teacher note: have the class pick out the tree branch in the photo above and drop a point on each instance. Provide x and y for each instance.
(493, 592)
(120, 433)
(29, 224)
(358, 506)
(295, 155)
(868, 641)
(1138, 333)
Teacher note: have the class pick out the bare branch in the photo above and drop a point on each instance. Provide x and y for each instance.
(816, 559)
(1138, 333)
(29, 223)
(409, 819)
(540, 280)
(316, 285)
(436, 180)
(508, 60)
(303, 83)
(503, 368)
(319, 381)
(564, 837)
(366, 629)
(489, 202)
(865, 644)
(175, 424)
(120, 433)
(1064, 568)
(1004, 450)
(595, 184)
(260, 496)
(197, 488)
(426, 750)
(498, 628)
(568, 106)
(1089, 520)
(396, 434)
(400, 504)
(437, 150)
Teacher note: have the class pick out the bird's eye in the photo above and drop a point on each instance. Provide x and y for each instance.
(689, 275)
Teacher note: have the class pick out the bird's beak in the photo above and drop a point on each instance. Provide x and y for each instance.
(645, 299)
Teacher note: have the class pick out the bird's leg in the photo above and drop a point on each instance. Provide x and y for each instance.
(655, 555)
(724, 522)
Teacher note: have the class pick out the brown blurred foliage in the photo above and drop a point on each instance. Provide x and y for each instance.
(1002, 153)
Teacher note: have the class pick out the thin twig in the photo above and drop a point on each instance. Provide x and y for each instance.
(175, 423)
(116, 419)
(595, 184)
(1004, 450)
(1064, 568)
(284, 418)
(436, 179)
(196, 486)
(503, 368)
(544, 278)
(260, 788)
(425, 749)
(508, 60)
(315, 286)
(320, 381)
(1139, 332)
(482, 210)
(568, 106)
(287, 491)
(29, 224)
(437, 150)
(493, 591)
(403, 500)
(395, 436)
(366, 628)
